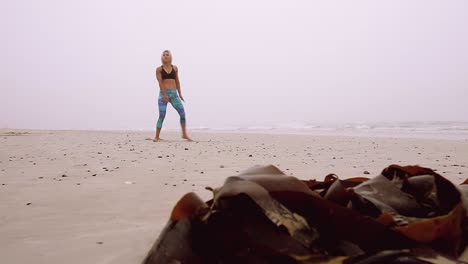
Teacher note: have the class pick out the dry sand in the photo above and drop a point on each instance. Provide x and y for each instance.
(103, 197)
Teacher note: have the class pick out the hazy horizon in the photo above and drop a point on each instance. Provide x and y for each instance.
(90, 65)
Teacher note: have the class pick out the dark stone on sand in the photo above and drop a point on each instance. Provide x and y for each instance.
(63, 175)
(174, 185)
(185, 179)
(159, 157)
(94, 175)
(28, 203)
(78, 184)
(366, 172)
(250, 155)
(222, 166)
(186, 148)
(99, 153)
(40, 177)
(201, 172)
(99, 243)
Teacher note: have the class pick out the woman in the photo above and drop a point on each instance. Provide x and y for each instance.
(169, 85)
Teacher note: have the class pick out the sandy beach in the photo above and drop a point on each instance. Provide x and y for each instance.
(103, 197)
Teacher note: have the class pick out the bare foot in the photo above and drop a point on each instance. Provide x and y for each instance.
(186, 138)
(157, 139)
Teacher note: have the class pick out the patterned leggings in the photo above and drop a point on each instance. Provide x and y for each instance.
(175, 102)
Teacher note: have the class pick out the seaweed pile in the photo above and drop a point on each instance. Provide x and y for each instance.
(407, 214)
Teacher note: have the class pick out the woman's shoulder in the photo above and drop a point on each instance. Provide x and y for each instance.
(175, 67)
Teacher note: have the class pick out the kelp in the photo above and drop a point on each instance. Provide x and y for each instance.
(404, 215)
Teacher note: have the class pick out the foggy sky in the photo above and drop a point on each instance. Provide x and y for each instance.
(91, 64)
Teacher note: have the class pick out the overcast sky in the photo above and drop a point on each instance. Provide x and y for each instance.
(90, 64)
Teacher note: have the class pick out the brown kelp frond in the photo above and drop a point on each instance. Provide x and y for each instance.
(407, 214)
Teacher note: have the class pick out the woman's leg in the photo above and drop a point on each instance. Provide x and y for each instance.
(177, 104)
(162, 105)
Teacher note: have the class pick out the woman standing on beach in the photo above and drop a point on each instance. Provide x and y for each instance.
(169, 85)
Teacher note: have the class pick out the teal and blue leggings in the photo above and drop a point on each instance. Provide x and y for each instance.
(175, 101)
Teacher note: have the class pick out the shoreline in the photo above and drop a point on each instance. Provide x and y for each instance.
(377, 134)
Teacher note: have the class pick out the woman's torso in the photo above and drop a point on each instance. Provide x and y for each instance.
(169, 76)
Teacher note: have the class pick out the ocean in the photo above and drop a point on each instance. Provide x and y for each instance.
(429, 130)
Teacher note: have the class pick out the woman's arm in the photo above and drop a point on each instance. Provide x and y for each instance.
(161, 86)
(178, 83)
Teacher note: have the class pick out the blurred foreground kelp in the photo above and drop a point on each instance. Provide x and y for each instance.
(404, 215)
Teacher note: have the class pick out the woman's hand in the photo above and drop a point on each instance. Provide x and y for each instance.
(166, 98)
(181, 98)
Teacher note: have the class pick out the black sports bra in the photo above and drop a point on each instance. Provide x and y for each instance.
(165, 75)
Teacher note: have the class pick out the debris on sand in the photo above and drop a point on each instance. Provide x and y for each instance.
(405, 214)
